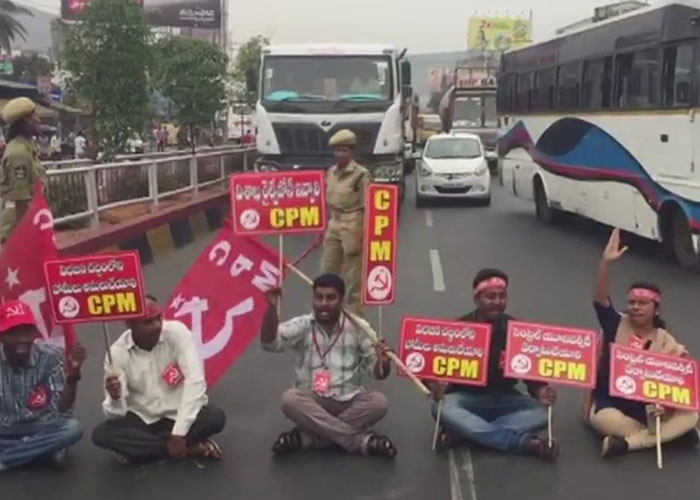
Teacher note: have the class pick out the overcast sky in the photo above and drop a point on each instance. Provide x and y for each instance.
(420, 25)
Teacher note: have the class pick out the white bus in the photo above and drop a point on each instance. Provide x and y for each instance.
(602, 122)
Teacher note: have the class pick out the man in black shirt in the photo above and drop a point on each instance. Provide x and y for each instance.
(497, 416)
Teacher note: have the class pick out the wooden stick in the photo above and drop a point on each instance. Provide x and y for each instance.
(367, 329)
(280, 245)
(381, 329)
(105, 334)
(659, 455)
(437, 423)
(549, 425)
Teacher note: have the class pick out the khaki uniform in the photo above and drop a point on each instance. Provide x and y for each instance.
(21, 168)
(342, 245)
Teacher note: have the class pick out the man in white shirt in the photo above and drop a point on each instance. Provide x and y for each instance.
(79, 144)
(156, 402)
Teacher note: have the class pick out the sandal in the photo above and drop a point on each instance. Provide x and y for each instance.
(380, 446)
(288, 442)
(211, 449)
(540, 448)
(444, 441)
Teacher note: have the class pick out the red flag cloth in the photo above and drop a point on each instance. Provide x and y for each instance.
(222, 301)
(22, 268)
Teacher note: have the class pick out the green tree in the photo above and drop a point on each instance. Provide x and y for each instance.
(108, 55)
(191, 74)
(31, 66)
(10, 27)
(247, 65)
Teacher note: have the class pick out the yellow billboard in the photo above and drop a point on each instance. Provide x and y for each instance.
(498, 33)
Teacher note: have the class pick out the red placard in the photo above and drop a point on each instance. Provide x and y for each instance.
(380, 242)
(654, 378)
(100, 287)
(278, 202)
(446, 351)
(552, 354)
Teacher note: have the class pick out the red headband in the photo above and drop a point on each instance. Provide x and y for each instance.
(644, 293)
(494, 282)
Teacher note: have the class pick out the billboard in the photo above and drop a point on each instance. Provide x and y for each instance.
(175, 13)
(498, 33)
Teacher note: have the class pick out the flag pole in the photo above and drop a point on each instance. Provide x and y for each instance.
(659, 455)
(437, 423)
(381, 321)
(105, 334)
(367, 329)
(549, 426)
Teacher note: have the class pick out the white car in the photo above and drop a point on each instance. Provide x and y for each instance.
(453, 166)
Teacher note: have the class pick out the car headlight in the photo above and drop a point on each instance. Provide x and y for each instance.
(267, 168)
(481, 170)
(425, 170)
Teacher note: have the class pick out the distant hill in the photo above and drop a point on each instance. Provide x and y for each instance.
(38, 29)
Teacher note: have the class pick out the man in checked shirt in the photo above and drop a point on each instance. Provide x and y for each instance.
(328, 403)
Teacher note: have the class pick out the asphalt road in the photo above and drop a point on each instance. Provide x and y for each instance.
(551, 271)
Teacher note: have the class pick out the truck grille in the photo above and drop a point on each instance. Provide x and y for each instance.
(309, 139)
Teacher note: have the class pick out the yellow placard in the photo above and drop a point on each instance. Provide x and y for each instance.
(498, 33)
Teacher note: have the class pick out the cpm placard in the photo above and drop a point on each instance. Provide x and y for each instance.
(654, 378)
(100, 287)
(380, 244)
(552, 354)
(278, 202)
(446, 351)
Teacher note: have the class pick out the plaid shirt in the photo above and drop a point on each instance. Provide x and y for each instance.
(31, 393)
(351, 355)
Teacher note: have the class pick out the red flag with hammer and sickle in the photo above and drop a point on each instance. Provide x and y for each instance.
(22, 268)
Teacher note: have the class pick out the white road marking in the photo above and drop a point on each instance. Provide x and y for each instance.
(429, 218)
(459, 470)
(436, 266)
(455, 483)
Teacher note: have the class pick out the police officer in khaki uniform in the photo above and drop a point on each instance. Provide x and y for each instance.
(346, 183)
(21, 166)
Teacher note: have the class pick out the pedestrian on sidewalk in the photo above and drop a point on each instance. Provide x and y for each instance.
(497, 416)
(624, 424)
(346, 183)
(21, 163)
(156, 402)
(38, 387)
(328, 404)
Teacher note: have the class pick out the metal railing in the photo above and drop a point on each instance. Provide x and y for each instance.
(81, 194)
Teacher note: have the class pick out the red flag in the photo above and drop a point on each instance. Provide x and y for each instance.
(22, 268)
(222, 301)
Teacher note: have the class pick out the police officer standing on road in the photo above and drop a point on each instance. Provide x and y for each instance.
(21, 164)
(342, 246)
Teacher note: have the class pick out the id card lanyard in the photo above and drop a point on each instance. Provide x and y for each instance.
(324, 354)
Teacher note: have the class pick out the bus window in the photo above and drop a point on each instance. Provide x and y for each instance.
(637, 79)
(524, 93)
(677, 76)
(568, 86)
(597, 83)
(543, 99)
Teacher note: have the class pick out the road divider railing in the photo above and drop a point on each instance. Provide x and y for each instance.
(79, 195)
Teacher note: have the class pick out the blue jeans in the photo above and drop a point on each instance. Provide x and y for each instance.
(21, 444)
(504, 422)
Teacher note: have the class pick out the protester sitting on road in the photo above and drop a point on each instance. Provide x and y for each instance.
(38, 390)
(624, 423)
(497, 416)
(156, 401)
(328, 403)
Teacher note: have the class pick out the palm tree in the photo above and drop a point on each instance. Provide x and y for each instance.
(10, 27)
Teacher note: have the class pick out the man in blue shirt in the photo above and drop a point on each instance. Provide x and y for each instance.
(38, 391)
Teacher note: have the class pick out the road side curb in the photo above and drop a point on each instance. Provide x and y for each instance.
(154, 235)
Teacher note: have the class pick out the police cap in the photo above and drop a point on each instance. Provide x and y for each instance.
(343, 137)
(16, 109)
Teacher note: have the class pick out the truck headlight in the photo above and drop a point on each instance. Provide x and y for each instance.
(387, 171)
(266, 168)
(425, 170)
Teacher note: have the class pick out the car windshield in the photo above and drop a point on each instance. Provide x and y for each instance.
(327, 78)
(453, 147)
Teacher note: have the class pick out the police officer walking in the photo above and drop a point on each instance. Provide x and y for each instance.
(21, 164)
(346, 183)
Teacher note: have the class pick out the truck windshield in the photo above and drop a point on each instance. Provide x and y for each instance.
(476, 112)
(335, 79)
(452, 147)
